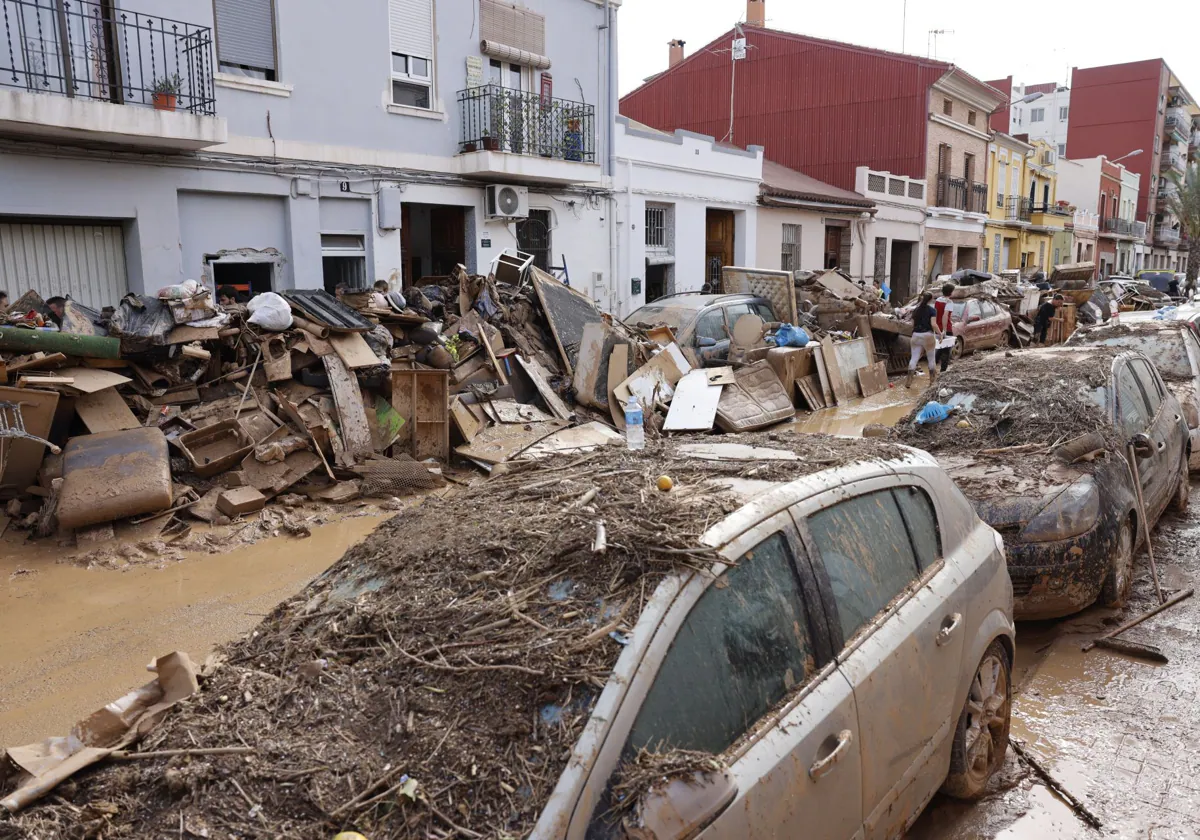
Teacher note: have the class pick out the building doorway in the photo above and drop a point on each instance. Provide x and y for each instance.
(533, 237)
(835, 240)
(901, 270)
(433, 239)
(718, 245)
(967, 258)
(246, 278)
(657, 281)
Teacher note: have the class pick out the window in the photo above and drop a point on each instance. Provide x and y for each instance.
(970, 118)
(712, 325)
(1157, 143)
(944, 156)
(922, 524)
(947, 107)
(789, 256)
(864, 546)
(1037, 114)
(410, 27)
(987, 309)
(246, 37)
(1131, 404)
(533, 237)
(1062, 150)
(743, 646)
(656, 226)
(1149, 381)
(969, 167)
(1062, 113)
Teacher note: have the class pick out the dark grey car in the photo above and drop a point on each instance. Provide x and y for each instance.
(702, 322)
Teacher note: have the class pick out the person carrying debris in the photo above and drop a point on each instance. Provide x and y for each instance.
(56, 308)
(227, 296)
(379, 294)
(1048, 310)
(944, 314)
(926, 334)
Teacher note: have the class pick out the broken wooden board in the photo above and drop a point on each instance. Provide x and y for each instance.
(353, 350)
(465, 421)
(655, 380)
(185, 335)
(35, 381)
(178, 396)
(833, 371)
(39, 361)
(810, 389)
(694, 407)
(567, 311)
(591, 366)
(618, 372)
(583, 438)
(852, 355)
(273, 479)
(105, 411)
(511, 411)
(720, 376)
(837, 285)
(90, 380)
(872, 379)
(25, 456)
(316, 344)
(348, 400)
(497, 444)
(541, 381)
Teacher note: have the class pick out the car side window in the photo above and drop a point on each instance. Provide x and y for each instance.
(865, 549)
(743, 646)
(973, 309)
(712, 325)
(921, 520)
(988, 309)
(763, 311)
(1149, 382)
(1131, 405)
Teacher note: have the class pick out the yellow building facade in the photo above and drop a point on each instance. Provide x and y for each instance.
(1026, 225)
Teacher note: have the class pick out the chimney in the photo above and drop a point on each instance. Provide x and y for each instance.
(756, 13)
(676, 52)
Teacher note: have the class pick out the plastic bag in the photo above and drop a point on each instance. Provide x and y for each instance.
(270, 311)
(791, 336)
(933, 412)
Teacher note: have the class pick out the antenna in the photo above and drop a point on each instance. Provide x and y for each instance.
(931, 41)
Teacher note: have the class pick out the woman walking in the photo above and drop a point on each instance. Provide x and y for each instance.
(927, 332)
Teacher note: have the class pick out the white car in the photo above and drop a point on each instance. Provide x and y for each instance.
(851, 657)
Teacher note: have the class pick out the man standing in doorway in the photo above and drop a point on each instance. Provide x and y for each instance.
(944, 315)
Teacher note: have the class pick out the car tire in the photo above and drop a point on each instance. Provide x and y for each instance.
(1005, 339)
(959, 349)
(1119, 582)
(981, 738)
(1183, 489)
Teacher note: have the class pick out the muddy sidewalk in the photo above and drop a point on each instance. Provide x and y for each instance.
(1117, 732)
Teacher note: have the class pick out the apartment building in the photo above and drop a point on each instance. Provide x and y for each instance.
(825, 108)
(143, 142)
(1142, 114)
(1041, 111)
(1112, 192)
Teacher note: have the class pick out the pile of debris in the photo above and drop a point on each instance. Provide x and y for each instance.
(437, 678)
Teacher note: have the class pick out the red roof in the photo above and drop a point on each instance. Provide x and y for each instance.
(778, 180)
(1046, 87)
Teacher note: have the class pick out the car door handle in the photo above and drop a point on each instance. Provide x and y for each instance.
(844, 739)
(949, 625)
(1162, 445)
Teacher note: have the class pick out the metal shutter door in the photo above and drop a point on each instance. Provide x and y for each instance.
(84, 261)
(246, 33)
(411, 27)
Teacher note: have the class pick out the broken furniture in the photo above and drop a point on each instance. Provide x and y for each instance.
(114, 475)
(216, 448)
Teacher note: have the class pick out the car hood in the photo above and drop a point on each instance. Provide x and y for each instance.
(1009, 491)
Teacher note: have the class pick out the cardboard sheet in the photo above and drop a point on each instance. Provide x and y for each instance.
(694, 407)
(105, 411)
(353, 349)
(655, 379)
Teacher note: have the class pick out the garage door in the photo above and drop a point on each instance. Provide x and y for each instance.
(82, 260)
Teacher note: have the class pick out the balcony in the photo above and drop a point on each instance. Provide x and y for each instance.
(1118, 227)
(1194, 141)
(1139, 230)
(961, 194)
(1173, 160)
(1018, 209)
(1164, 235)
(1178, 127)
(516, 134)
(82, 70)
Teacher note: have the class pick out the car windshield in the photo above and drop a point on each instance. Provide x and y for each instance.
(676, 317)
(1165, 347)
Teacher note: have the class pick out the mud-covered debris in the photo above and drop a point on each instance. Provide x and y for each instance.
(650, 770)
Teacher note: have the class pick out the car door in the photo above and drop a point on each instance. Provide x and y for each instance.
(711, 325)
(896, 623)
(1165, 432)
(973, 326)
(749, 674)
(1133, 418)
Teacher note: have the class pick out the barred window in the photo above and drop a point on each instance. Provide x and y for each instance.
(789, 257)
(656, 227)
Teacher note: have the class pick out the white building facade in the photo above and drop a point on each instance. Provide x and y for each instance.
(1043, 112)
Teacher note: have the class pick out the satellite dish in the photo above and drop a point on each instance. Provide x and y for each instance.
(508, 201)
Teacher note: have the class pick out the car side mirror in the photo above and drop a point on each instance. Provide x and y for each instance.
(1142, 447)
(971, 319)
(681, 807)
(704, 341)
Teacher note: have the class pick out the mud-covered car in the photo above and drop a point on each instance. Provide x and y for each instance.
(1040, 441)
(1172, 344)
(814, 652)
(703, 323)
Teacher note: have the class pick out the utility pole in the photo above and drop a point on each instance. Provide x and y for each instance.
(903, 25)
(931, 41)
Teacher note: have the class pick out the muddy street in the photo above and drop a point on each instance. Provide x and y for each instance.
(1116, 731)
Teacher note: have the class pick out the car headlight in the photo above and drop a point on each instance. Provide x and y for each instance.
(1072, 512)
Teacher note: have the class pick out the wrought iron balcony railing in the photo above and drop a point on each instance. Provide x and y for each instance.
(497, 119)
(1121, 227)
(90, 50)
(961, 194)
(1018, 209)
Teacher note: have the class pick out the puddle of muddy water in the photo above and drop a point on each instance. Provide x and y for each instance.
(849, 418)
(73, 639)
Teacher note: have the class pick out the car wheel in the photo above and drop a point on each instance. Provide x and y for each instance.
(1005, 339)
(981, 739)
(1183, 489)
(959, 349)
(1120, 575)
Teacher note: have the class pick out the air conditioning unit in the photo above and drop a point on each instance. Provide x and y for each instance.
(507, 202)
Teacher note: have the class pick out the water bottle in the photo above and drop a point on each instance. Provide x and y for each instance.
(635, 432)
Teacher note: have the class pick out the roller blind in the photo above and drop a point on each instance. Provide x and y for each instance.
(513, 26)
(411, 27)
(246, 32)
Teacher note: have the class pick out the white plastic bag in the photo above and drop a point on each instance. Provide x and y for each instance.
(270, 311)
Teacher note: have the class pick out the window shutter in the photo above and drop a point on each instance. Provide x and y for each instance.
(246, 33)
(513, 26)
(411, 27)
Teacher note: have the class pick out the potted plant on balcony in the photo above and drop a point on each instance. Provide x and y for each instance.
(165, 92)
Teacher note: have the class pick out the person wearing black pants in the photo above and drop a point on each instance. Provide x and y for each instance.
(942, 305)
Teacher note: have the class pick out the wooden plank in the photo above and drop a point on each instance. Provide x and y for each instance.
(317, 345)
(810, 389)
(105, 411)
(833, 371)
(541, 381)
(353, 350)
(496, 444)
(43, 381)
(352, 415)
(41, 361)
(618, 370)
(566, 310)
(491, 354)
(694, 406)
(91, 380)
(465, 421)
(873, 378)
(184, 334)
